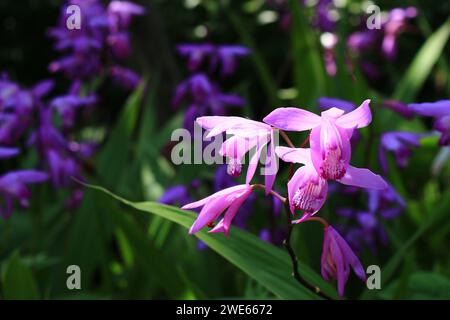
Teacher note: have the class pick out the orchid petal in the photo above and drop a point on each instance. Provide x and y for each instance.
(363, 178)
(292, 119)
(209, 213)
(254, 163)
(358, 118)
(294, 155)
(221, 193)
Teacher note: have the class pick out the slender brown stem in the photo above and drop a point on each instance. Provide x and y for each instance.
(272, 192)
(318, 219)
(294, 259)
(305, 142)
(286, 139)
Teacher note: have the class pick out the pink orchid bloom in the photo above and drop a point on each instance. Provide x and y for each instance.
(337, 259)
(330, 135)
(246, 135)
(230, 199)
(307, 190)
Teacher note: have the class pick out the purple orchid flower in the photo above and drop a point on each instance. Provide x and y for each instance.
(205, 97)
(67, 105)
(120, 13)
(400, 143)
(323, 18)
(226, 56)
(124, 77)
(440, 110)
(307, 190)
(388, 203)
(104, 33)
(395, 24)
(338, 258)
(326, 103)
(246, 135)
(223, 56)
(330, 135)
(13, 185)
(230, 199)
(195, 53)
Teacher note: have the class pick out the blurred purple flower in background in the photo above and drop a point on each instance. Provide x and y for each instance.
(395, 24)
(440, 111)
(203, 96)
(47, 126)
(400, 143)
(384, 204)
(103, 36)
(221, 57)
(13, 185)
(385, 38)
(323, 17)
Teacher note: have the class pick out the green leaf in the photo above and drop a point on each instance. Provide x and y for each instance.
(440, 213)
(113, 158)
(420, 68)
(268, 265)
(261, 68)
(18, 280)
(309, 72)
(422, 286)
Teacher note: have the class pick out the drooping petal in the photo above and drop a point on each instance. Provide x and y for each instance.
(254, 161)
(236, 147)
(364, 178)
(270, 166)
(338, 260)
(209, 213)
(351, 258)
(221, 193)
(292, 119)
(225, 223)
(358, 118)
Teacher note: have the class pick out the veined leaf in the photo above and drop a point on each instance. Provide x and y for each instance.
(267, 264)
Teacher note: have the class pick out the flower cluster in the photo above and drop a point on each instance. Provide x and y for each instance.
(204, 97)
(102, 40)
(383, 39)
(368, 230)
(48, 126)
(327, 159)
(27, 119)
